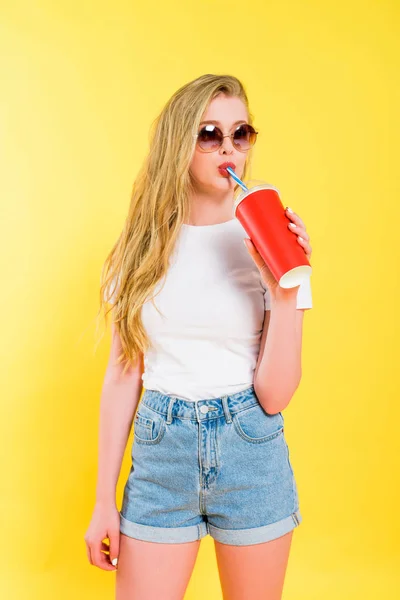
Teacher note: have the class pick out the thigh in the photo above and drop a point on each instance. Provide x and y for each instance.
(256, 571)
(152, 570)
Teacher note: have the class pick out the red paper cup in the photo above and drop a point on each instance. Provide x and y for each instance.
(263, 217)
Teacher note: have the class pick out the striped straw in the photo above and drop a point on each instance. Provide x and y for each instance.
(236, 178)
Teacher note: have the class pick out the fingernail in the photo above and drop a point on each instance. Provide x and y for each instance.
(292, 225)
(289, 209)
(114, 561)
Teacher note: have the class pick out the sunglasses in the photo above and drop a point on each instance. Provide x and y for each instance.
(210, 137)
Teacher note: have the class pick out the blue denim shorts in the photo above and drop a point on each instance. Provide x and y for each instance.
(219, 466)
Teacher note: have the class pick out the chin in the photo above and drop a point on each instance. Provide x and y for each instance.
(225, 184)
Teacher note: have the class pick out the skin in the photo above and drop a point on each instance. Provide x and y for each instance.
(212, 201)
(149, 570)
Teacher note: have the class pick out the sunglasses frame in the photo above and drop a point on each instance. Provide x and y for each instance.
(230, 135)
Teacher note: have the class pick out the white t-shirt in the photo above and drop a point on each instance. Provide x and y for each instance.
(208, 336)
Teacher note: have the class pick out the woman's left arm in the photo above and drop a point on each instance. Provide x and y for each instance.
(278, 371)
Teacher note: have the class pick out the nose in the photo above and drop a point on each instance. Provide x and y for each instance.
(227, 144)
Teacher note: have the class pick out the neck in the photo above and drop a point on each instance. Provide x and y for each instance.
(207, 209)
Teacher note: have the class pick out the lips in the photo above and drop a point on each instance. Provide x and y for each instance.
(227, 164)
(222, 168)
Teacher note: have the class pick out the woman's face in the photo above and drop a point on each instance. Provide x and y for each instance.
(207, 178)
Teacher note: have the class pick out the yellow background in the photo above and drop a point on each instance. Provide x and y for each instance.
(81, 83)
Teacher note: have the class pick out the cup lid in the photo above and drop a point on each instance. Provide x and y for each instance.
(252, 185)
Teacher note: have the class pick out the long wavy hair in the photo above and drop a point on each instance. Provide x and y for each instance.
(159, 205)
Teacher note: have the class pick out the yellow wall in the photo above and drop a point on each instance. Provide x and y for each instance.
(81, 83)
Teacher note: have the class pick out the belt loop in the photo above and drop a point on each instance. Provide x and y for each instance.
(228, 416)
(169, 411)
(196, 408)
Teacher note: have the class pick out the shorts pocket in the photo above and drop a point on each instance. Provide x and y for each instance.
(148, 426)
(255, 425)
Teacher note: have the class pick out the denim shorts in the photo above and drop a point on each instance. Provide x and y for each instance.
(219, 466)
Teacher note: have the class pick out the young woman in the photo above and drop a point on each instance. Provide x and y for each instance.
(200, 323)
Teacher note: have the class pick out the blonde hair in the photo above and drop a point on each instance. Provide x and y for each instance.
(158, 207)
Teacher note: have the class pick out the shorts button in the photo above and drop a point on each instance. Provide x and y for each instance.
(204, 409)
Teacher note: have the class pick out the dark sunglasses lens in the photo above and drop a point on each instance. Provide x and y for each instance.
(244, 137)
(210, 138)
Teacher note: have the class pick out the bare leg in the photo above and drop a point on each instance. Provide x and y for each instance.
(255, 571)
(152, 570)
